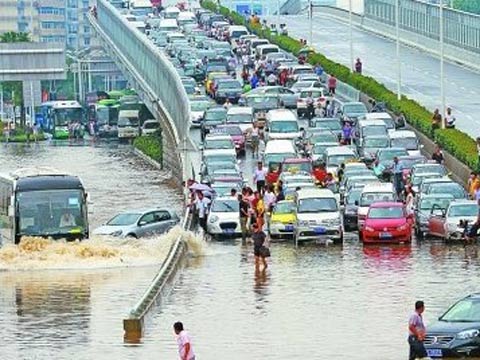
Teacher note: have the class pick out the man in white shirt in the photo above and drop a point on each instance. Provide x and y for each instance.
(202, 203)
(259, 177)
(185, 348)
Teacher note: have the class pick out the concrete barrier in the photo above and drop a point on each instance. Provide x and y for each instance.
(134, 323)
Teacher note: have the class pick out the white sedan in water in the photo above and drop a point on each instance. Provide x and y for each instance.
(224, 217)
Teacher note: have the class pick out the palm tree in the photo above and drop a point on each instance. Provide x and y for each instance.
(12, 37)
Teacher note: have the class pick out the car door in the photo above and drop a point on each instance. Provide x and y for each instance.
(288, 97)
(436, 221)
(146, 224)
(162, 221)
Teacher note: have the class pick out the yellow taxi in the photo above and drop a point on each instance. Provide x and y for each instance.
(283, 219)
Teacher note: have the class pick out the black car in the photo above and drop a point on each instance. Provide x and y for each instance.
(230, 89)
(350, 213)
(212, 118)
(457, 332)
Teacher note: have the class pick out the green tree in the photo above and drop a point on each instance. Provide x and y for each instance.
(472, 6)
(12, 37)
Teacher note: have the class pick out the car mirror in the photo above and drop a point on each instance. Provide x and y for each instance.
(142, 223)
(357, 203)
(266, 129)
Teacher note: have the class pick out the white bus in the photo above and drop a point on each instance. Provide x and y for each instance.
(42, 202)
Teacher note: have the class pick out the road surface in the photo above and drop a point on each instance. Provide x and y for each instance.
(420, 71)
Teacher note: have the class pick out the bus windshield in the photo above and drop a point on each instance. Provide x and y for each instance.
(65, 116)
(51, 212)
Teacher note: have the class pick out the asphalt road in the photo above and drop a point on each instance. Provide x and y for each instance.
(420, 71)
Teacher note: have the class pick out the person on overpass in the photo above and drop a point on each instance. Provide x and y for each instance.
(358, 66)
(449, 119)
(332, 84)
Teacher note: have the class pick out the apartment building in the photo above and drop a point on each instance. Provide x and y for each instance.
(51, 20)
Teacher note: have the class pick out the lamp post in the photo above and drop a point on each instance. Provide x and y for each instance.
(352, 63)
(399, 63)
(310, 6)
(442, 65)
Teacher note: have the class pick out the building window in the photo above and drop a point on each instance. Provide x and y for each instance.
(52, 25)
(51, 11)
(87, 41)
(53, 38)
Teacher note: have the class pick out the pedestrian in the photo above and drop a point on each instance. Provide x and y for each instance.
(409, 199)
(437, 156)
(416, 332)
(358, 66)
(255, 139)
(244, 209)
(269, 198)
(227, 104)
(478, 154)
(260, 251)
(310, 106)
(332, 84)
(28, 131)
(397, 170)
(259, 209)
(401, 122)
(259, 177)
(35, 130)
(347, 133)
(318, 70)
(233, 193)
(449, 119)
(202, 204)
(331, 109)
(436, 121)
(272, 79)
(184, 342)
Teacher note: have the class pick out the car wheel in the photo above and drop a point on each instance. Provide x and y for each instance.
(132, 236)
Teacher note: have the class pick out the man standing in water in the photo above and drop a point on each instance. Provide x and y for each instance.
(416, 333)
(185, 349)
(259, 238)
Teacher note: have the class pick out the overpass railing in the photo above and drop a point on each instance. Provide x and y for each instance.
(150, 64)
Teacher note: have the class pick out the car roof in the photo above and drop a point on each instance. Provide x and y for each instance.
(458, 202)
(377, 115)
(386, 204)
(435, 196)
(142, 211)
(340, 150)
(217, 136)
(240, 110)
(296, 161)
(402, 134)
(315, 193)
(380, 187)
(371, 123)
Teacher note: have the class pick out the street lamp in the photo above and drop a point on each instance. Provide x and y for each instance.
(399, 63)
(310, 6)
(442, 65)
(352, 63)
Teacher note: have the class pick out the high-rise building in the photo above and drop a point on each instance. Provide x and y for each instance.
(49, 20)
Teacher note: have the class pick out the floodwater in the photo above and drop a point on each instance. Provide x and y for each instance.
(335, 302)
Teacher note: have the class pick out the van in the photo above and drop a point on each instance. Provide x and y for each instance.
(278, 150)
(282, 124)
(406, 139)
(336, 155)
(235, 31)
(168, 25)
(263, 50)
(185, 18)
(128, 124)
(257, 42)
(171, 12)
(371, 193)
(318, 216)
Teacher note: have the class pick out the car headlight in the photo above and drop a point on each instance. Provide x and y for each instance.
(213, 219)
(403, 227)
(117, 233)
(468, 334)
(303, 223)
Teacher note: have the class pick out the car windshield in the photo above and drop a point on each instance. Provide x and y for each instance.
(431, 168)
(239, 119)
(353, 195)
(389, 123)
(229, 130)
(199, 105)
(222, 157)
(418, 178)
(225, 206)
(217, 115)
(393, 212)
(303, 84)
(368, 199)
(409, 143)
(324, 138)
(408, 163)
(466, 310)
(229, 85)
(355, 109)
(427, 204)
(336, 160)
(128, 121)
(277, 158)
(296, 167)
(285, 208)
(389, 155)
(375, 143)
(469, 210)
(448, 188)
(218, 144)
(315, 205)
(151, 125)
(373, 130)
(283, 126)
(330, 124)
(312, 93)
(319, 149)
(224, 165)
(124, 219)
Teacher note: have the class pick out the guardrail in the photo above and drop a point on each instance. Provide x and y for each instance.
(149, 65)
(134, 324)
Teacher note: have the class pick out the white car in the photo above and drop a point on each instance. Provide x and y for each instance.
(224, 217)
(445, 224)
(150, 127)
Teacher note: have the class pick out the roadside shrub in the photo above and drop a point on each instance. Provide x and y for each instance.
(456, 142)
(150, 146)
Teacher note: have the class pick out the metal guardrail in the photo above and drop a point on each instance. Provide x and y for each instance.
(134, 324)
(150, 64)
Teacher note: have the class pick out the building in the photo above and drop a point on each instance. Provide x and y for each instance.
(49, 20)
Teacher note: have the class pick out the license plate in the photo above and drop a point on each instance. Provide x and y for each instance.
(434, 353)
(228, 231)
(289, 228)
(319, 230)
(385, 235)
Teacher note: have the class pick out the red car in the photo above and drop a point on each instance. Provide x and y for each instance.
(387, 222)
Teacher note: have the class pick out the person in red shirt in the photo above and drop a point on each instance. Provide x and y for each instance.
(320, 173)
(332, 84)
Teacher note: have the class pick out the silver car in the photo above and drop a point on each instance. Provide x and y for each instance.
(139, 223)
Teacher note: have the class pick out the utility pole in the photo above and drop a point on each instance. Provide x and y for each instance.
(442, 66)
(399, 62)
(310, 6)
(352, 62)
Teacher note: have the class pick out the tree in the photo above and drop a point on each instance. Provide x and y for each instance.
(12, 37)
(467, 5)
